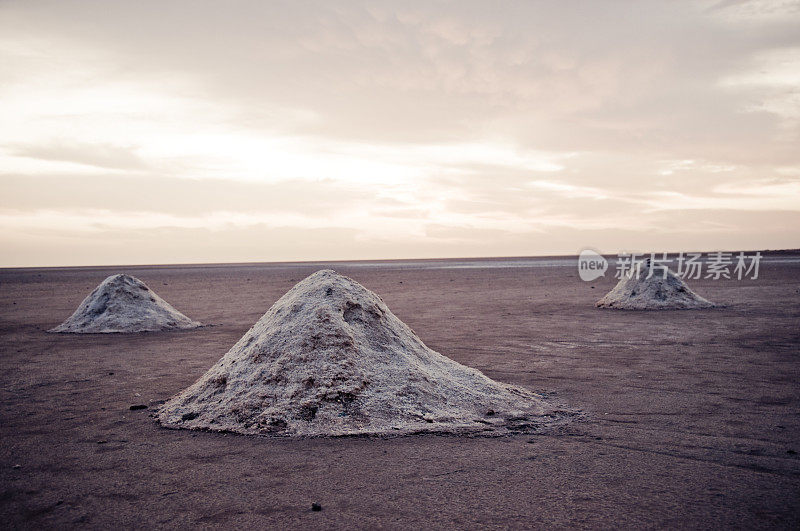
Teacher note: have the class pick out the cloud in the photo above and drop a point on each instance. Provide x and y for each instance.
(100, 155)
(178, 197)
(420, 71)
(510, 128)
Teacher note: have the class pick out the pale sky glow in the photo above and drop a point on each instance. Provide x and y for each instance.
(193, 131)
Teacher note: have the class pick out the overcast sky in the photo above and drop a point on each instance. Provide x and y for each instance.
(163, 132)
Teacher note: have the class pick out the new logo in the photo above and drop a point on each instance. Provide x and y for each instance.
(591, 265)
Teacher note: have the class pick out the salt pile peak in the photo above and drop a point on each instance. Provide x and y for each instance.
(122, 303)
(329, 358)
(663, 290)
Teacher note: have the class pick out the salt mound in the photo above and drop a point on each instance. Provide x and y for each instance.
(330, 358)
(122, 303)
(635, 291)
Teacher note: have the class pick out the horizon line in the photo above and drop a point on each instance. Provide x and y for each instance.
(363, 260)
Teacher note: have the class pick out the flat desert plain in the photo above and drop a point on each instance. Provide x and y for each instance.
(691, 418)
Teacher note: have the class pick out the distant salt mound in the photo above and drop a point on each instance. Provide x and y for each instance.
(635, 291)
(122, 303)
(329, 358)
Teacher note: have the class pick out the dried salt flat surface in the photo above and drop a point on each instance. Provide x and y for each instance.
(663, 290)
(691, 418)
(124, 304)
(329, 359)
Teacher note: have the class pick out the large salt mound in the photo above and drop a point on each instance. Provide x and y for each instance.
(122, 303)
(635, 291)
(330, 358)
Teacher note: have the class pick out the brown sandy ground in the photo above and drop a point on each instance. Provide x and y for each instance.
(693, 417)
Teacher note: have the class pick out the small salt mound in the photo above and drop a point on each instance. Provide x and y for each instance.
(122, 303)
(329, 358)
(635, 291)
